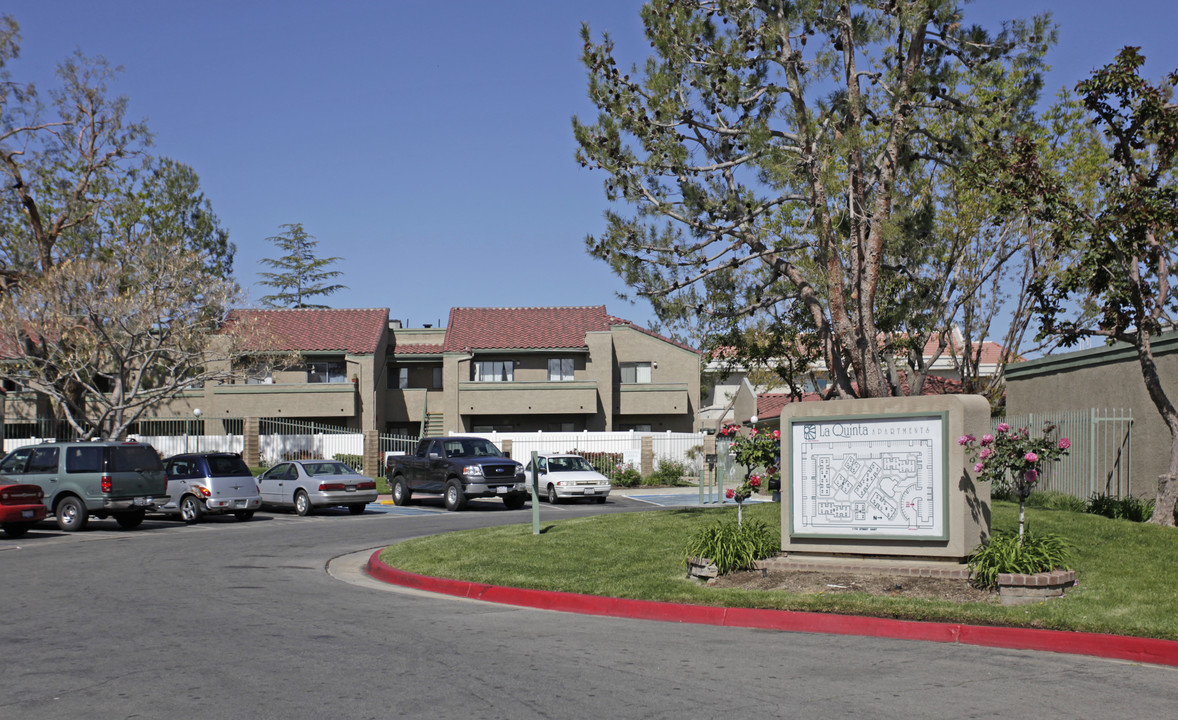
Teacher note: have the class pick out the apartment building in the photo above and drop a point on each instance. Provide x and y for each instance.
(555, 369)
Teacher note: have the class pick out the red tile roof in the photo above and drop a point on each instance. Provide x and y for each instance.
(769, 405)
(419, 349)
(536, 328)
(355, 331)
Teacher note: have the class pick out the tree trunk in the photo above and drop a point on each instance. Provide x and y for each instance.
(1163, 509)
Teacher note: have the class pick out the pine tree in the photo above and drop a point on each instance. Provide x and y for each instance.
(300, 275)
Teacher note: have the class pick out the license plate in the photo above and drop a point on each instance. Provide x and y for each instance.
(140, 501)
(27, 513)
(501, 490)
(239, 503)
(350, 488)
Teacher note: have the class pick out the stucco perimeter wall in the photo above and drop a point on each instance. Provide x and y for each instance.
(967, 502)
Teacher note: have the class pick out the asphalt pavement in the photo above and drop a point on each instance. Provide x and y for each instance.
(268, 619)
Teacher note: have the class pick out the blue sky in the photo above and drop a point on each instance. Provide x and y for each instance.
(428, 144)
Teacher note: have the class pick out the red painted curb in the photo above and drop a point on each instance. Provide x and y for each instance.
(1119, 647)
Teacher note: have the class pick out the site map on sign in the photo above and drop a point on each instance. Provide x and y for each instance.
(869, 477)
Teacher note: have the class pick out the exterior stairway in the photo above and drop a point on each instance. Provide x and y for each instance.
(434, 424)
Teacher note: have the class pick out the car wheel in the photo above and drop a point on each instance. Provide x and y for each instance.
(130, 520)
(302, 503)
(552, 498)
(401, 493)
(601, 500)
(71, 515)
(357, 508)
(190, 510)
(455, 498)
(243, 515)
(514, 502)
(16, 529)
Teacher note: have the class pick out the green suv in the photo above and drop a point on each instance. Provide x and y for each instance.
(122, 480)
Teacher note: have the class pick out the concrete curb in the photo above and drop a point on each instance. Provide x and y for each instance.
(1118, 647)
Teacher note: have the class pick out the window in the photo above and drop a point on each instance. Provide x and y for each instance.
(83, 460)
(43, 460)
(437, 378)
(403, 378)
(14, 464)
(328, 371)
(494, 371)
(560, 369)
(634, 373)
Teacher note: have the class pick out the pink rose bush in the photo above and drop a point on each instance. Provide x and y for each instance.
(1012, 459)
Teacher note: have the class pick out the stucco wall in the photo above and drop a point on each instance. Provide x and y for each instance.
(1103, 378)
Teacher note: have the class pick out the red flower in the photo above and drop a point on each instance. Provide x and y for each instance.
(755, 481)
(730, 493)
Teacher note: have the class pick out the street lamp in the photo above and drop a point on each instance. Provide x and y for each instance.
(196, 412)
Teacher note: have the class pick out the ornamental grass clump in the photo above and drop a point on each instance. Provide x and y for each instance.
(733, 547)
(1010, 553)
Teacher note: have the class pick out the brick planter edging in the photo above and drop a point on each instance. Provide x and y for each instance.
(1020, 589)
(1119, 647)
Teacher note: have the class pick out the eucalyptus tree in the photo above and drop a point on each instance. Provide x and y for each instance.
(795, 161)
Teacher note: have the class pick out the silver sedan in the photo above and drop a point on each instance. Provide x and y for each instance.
(309, 484)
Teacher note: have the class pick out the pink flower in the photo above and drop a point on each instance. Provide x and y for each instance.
(979, 467)
(1031, 476)
(730, 493)
(1064, 443)
(987, 439)
(1002, 427)
(1031, 457)
(753, 431)
(777, 435)
(755, 481)
(965, 439)
(985, 453)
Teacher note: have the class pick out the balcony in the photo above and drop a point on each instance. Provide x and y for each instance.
(286, 400)
(527, 398)
(653, 399)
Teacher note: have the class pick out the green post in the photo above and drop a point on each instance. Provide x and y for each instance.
(535, 494)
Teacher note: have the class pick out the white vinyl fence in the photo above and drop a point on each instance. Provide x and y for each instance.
(169, 445)
(624, 447)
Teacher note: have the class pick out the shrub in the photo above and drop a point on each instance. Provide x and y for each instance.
(1124, 508)
(351, 460)
(734, 547)
(1005, 554)
(605, 463)
(626, 476)
(668, 472)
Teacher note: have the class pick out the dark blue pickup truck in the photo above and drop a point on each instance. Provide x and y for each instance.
(457, 468)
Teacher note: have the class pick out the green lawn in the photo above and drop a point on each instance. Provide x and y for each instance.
(1127, 572)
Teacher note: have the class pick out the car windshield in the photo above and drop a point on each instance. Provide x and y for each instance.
(328, 468)
(471, 447)
(568, 464)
